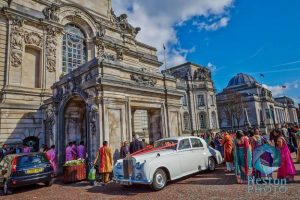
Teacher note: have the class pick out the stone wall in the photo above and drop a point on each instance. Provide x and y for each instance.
(18, 124)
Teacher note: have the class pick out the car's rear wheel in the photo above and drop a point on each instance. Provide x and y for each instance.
(49, 182)
(211, 164)
(159, 180)
(6, 189)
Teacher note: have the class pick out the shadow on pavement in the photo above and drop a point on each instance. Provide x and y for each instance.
(116, 189)
(218, 177)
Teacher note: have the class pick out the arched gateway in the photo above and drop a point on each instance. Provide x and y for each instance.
(90, 106)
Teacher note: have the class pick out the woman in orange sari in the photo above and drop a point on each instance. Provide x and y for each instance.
(106, 161)
(227, 143)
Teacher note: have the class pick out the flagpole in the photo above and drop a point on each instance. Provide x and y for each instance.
(166, 94)
(262, 121)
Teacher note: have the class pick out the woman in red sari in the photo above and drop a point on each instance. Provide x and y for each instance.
(228, 151)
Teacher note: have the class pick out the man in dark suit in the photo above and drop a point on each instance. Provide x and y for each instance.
(136, 144)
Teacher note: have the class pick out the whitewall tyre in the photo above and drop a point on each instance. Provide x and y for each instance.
(211, 164)
(159, 180)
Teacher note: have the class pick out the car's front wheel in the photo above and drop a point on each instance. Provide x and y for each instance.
(6, 189)
(211, 164)
(159, 180)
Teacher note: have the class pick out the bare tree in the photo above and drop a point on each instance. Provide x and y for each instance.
(230, 106)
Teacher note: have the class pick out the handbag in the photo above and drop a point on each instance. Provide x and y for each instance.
(92, 174)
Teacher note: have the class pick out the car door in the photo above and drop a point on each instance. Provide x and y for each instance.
(185, 156)
(199, 154)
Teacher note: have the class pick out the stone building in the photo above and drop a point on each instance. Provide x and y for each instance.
(71, 70)
(259, 107)
(199, 108)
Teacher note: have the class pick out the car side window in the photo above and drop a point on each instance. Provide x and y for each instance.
(184, 144)
(196, 143)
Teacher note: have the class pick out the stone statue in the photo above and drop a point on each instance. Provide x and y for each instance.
(51, 12)
(126, 27)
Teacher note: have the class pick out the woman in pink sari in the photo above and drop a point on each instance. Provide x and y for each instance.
(287, 167)
(51, 155)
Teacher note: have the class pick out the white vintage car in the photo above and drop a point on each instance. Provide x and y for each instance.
(170, 159)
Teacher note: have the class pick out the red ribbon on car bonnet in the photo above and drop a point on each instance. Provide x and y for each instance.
(150, 148)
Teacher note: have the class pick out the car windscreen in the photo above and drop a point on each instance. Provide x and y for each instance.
(30, 160)
(169, 144)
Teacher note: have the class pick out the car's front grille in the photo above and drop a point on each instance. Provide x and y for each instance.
(128, 167)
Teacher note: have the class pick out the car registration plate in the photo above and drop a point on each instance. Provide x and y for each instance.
(34, 171)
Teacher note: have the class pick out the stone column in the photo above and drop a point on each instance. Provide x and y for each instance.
(129, 121)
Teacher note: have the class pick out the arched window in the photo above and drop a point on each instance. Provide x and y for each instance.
(74, 48)
(202, 119)
(186, 121)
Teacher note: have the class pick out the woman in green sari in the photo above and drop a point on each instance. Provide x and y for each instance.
(242, 157)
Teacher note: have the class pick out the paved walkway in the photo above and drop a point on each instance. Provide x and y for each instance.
(217, 185)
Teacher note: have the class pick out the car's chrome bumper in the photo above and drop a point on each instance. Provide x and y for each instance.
(131, 181)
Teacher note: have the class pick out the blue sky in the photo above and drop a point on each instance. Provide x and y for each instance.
(257, 36)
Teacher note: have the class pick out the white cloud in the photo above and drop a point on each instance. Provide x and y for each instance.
(278, 90)
(211, 66)
(159, 19)
(212, 25)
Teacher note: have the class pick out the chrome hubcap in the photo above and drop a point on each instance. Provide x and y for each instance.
(160, 180)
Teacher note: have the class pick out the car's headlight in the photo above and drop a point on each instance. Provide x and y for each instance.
(119, 166)
(139, 176)
(139, 165)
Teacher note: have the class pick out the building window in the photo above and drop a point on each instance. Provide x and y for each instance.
(74, 48)
(202, 119)
(200, 100)
(31, 72)
(186, 121)
(184, 100)
(268, 114)
(214, 120)
(212, 102)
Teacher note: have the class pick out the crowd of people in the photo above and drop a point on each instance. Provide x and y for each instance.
(242, 149)
(237, 148)
(4, 150)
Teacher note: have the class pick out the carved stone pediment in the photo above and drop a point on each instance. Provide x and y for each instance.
(143, 80)
(33, 39)
(202, 74)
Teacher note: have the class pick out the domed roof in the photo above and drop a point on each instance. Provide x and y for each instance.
(241, 79)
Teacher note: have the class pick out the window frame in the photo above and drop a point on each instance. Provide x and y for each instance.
(179, 149)
(204, 119)
(201, 144)
(74, 54)
(202, 104)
